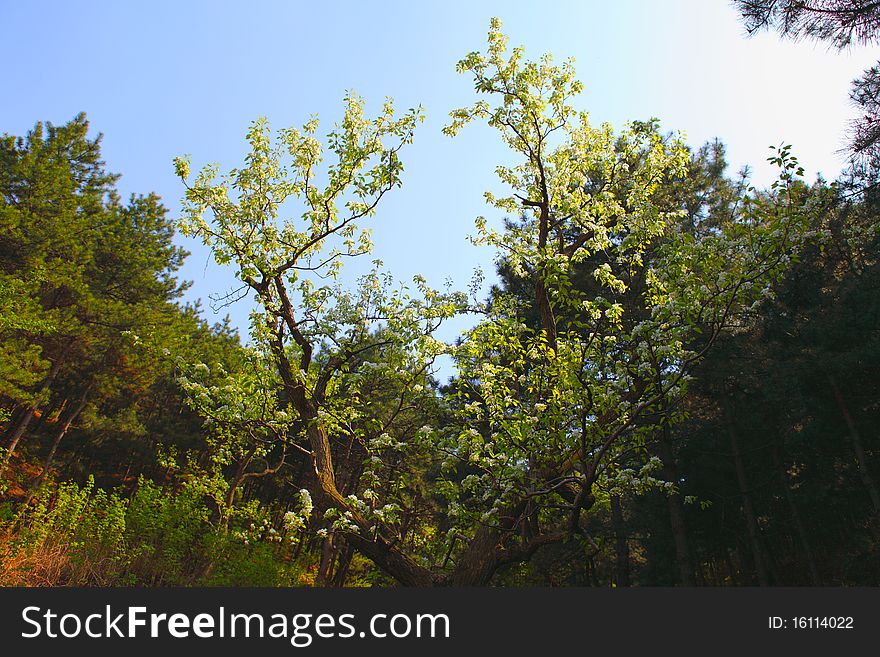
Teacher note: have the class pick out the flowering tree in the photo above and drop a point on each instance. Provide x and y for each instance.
(629, 297)
(315, 340)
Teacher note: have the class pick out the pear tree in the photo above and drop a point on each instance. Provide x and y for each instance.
(553, 415)
(316, 336)
(546, 418)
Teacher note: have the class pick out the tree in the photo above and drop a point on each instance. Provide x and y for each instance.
(52, 185)
(777, 443)
(544, 417)
(318, 336)
(702, 196)
(842, 23)
(86, 273)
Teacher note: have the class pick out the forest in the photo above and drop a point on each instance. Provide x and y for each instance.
(674, 382)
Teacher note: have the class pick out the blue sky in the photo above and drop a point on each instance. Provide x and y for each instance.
(161, 79)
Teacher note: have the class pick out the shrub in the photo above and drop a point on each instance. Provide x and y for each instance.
(70, 535)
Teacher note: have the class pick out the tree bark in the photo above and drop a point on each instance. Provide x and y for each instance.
(675, 506)
(72, 415)
(745, 495)
(796, 517)
(856, 439)
(542, 298)
(342, 566)
(621, 543)
(477, 563)
(386, 555)
(325, 566)
(18, 431)
(490, 550)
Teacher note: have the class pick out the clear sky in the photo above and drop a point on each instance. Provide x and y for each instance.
(161, 79)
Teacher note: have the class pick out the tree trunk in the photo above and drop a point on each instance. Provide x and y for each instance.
(236, 482)
(675, 506)
(325, 566)
(399, 566)
(856, 438)
(489, 549)
(745, 495)
(548, 320)
(54, 409)
(542, 298)
(478, 562)
(732, 570)
(480, 559)
(72, 415)
(342, 567)
(621, 543)
(19, 429)
(385, 555)
(796, 517)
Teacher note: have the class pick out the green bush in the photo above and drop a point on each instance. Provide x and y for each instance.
(72, 533)
(165, 535)
(83, 536)
(260, 564)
